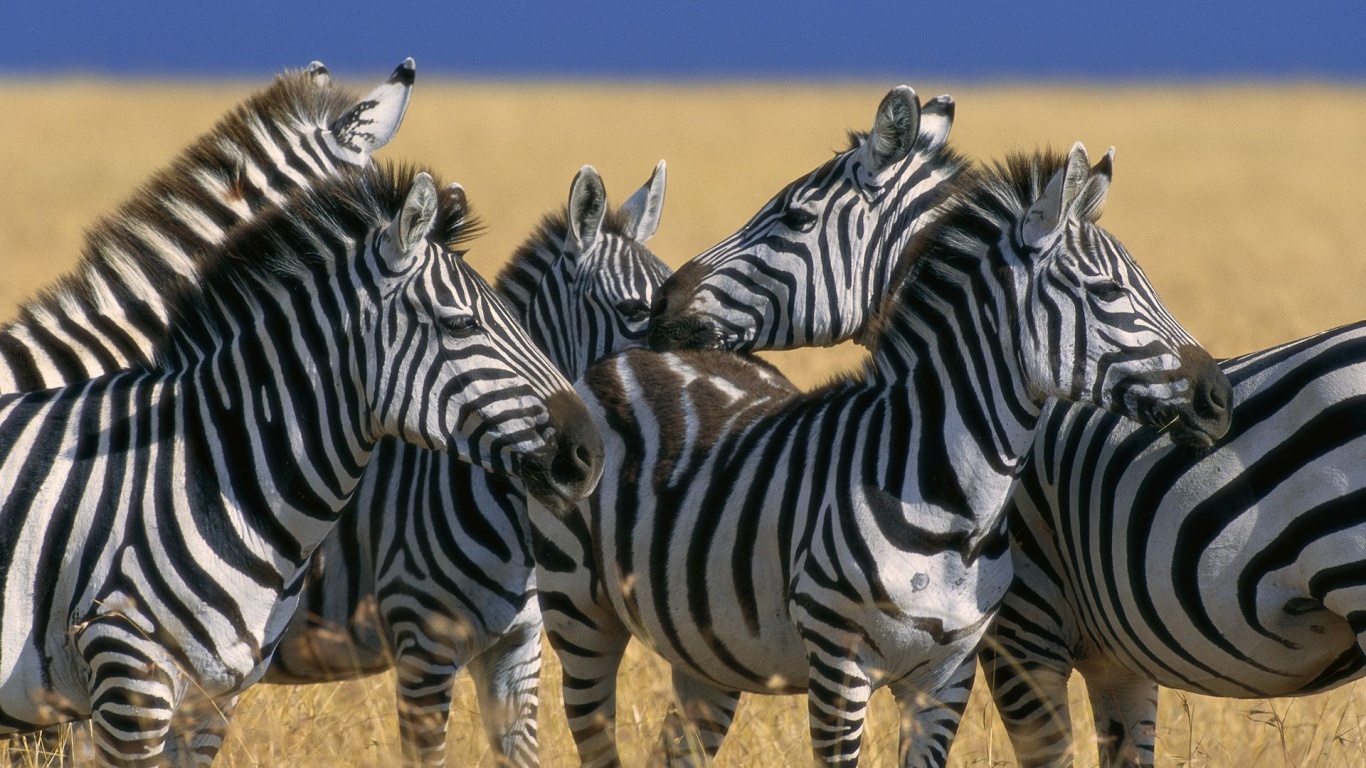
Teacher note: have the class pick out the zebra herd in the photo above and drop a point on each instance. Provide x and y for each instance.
(273, 428)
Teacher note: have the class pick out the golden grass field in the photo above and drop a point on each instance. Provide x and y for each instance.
(1244, 204)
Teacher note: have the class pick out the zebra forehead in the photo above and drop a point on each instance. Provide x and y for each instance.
(542, 250)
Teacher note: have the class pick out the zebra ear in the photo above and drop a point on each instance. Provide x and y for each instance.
(1046, 217)
(587, 207)
(374, 120)
(1092, 197)
(318, 73)
(643, 209)
(936, 120)
(416, 221)
(455, 194)
(894, 129)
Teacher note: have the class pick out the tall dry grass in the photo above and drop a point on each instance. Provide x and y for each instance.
(1243, 203)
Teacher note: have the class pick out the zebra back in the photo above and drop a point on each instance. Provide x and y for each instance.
(109, 312)
(836, 232)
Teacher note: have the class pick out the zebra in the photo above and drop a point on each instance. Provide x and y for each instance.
(430, 568)
(109, 313)
(867, 202)
(854, 537)
(1227, 571)
(157, 521)
(1100, 586)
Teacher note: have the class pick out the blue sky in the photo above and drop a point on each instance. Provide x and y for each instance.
(704, 39)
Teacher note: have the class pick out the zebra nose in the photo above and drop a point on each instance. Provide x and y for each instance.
(569, 470)
(1212, 401)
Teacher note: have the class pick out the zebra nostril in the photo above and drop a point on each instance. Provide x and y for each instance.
(660, 306)
(1212, 401)
(584, 458)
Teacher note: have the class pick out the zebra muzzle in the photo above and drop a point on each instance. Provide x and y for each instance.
(567, 469)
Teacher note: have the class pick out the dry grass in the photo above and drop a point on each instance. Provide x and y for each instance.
(1243, 203)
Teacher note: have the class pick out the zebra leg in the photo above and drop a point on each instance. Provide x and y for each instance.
(1031, 696)
(1125, 708)
(836, 701)
(589, 645)
(197, 731)
(426, 683)
(696, 724)
(929, 720)
(133, 704)
(507, 678)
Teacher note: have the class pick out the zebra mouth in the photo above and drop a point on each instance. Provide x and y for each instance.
(1182, 424)
(688, 332)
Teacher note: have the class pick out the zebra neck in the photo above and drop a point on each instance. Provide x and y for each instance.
(959, 407)
(289, 427)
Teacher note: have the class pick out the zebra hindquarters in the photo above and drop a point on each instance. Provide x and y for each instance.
(507, 681)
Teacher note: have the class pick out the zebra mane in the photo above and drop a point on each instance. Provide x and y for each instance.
(293, 97)
(281, 246)
(981, 202)
(522, 275)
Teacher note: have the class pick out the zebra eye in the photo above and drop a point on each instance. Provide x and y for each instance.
(459, 326)
(1107, 290)
(634, 310)
(799, 220)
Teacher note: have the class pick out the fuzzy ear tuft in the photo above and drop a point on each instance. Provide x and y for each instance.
(1092, 197)
(374, 120)
(936, 120)
(894, 128)
(587, 207)
(318, 73)
(643, 209)
(418, 217)
(1046, 217)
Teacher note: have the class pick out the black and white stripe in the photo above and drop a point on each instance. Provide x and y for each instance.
(854, 538)
(109, 313)
(767, 285)
(430, 569)
(157, 521)
(1232, 571)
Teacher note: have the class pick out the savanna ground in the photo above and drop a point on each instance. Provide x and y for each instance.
(1244, 204)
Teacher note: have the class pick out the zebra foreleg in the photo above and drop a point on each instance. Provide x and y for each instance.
(506, 678)
(696, 724)
(1125, 708)
(1031, 696)
(590, 647)
(197, 730)
(929, 719)
(426, 683)
(836, 701)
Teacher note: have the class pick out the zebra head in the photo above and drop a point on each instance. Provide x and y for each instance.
(458, 373)
(583, 284)
(301, 129)
(812, 264)
(1090, 327)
